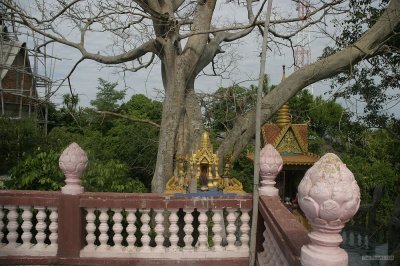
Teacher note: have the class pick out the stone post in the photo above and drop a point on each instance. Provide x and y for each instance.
(329, 196)
(270, 165)
(73, 162)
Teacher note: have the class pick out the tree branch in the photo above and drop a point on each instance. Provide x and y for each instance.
(367, 46)
(146, 121)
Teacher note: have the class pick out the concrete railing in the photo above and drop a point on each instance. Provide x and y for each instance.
(53, 227)
(76, 227)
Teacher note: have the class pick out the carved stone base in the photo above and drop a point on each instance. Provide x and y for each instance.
(326, 256)
(268, 191)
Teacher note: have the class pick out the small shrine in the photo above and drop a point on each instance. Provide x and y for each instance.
(198, 172)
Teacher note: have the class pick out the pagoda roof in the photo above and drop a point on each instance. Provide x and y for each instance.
(291, 141)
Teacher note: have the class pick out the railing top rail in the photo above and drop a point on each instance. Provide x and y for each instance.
(288, 232)
(161, 201)
(29, 198)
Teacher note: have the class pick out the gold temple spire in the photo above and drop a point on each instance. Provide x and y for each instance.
(283, 113)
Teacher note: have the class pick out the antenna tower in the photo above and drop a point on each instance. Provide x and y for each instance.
(303, 50)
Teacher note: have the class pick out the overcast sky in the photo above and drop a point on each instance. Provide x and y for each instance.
(245, 69)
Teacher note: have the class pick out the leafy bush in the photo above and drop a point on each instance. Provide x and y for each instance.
(41, 172)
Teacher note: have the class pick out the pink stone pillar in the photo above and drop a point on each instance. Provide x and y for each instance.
(329, 196)
(73, 162)
(270, 165)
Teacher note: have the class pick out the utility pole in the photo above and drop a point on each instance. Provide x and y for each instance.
(253, 252)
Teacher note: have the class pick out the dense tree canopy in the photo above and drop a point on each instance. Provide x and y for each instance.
(186, 37)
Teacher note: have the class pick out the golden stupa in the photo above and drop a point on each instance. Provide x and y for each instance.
(200, 170)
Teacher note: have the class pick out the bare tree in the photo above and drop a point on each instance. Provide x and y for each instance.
(184, 38)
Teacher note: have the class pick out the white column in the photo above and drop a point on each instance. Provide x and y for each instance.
(131, 229)
(12, 225)
(90, 229)
(203, 230)
(40, 227)
(103, 228)
(117, 228)
(53, 228)
(231, 229)
(173, 229)
(217, 229)
(188, 229)
(244, 230)
(145, 229)
(1, 224)
(26, 227)
(159, 229)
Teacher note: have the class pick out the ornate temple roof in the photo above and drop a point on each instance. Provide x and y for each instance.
(291, 140)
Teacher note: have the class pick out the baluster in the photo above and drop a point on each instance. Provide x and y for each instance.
(203, 230)
(173, 229)
(244, 230)
(12, 225)
(1, 225)
(231, 229)
(90, 229)
(267, 244)
(145, 229)
(26, 226)
(103, 228)
(117, 228)
(131, 228)
(217, 229)
(159, 229)
(188, 229)
(40, 227)
(53, 227)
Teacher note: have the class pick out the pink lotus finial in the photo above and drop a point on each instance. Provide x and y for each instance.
(73, 162)
(329, 196)
(271, 164)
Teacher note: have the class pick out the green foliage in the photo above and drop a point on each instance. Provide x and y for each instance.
(243, 169)
(376, 83)
(107, 97)
(37, 172)
(18, 137)
(139, 106)
(110, 176)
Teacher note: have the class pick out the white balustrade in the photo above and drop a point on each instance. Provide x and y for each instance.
(217, 229)
(188, 229)
(27, 248)
(159, 229)
(117, 228)
(12, 226)
(53, 227)
(40, 227)
(244, 230)
(26, 227)
(1, 225)
(203, 230)
(272, 254)
(231, 229)
(90, 247)
(131, 229)
(145, 229)
(103, 228)
(233, 248)
(173, 229)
